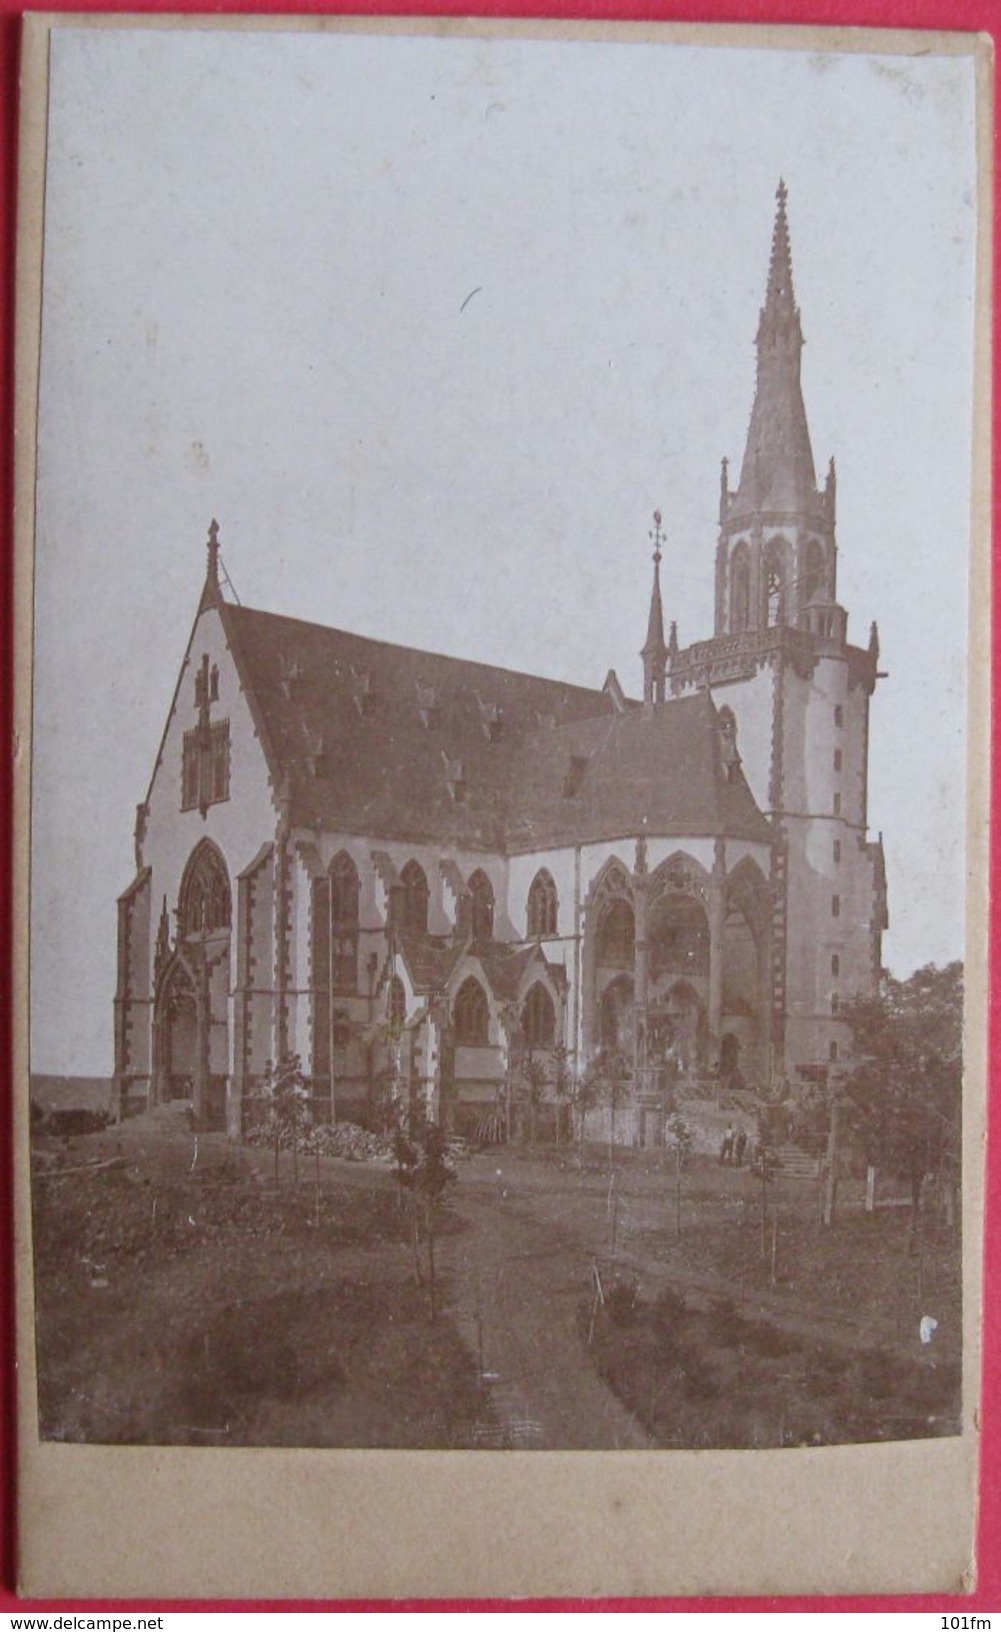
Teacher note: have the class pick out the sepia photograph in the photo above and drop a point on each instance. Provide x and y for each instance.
(499, 734)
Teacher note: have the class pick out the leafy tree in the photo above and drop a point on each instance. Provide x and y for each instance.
(611, 1074)
(424, 1171)
(562, 1082)
(902, 1088)
(289, 1114)
(534, 1081)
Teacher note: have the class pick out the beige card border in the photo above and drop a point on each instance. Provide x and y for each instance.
(181, 1523)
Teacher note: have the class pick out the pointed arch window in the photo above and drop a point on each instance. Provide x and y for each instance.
(471, 1015)
(396, 1007)
(774, 591)
(204, 905)
(814, 585)
(543, 906)
(344, 892)
(740, 591)
(538, 1018)
(481, 894)
(415, 898)
(617, 936)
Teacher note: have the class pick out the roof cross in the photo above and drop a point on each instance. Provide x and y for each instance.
(658, 536)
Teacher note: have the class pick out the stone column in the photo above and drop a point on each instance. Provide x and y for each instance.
(717, 915)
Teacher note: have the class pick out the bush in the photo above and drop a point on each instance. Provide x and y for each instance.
(621, 1303)
(670, 1309)
(724, 1325)
(769, 1341)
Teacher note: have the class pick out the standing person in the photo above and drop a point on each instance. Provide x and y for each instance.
(726, 1148)
(740, 1145)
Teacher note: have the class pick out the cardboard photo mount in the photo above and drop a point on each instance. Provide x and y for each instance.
(179, 1523)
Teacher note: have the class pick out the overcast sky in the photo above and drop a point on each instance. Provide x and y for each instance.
(261, 253)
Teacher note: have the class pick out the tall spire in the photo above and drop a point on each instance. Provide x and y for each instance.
(777, 471)
(654, 653)
(780, 310)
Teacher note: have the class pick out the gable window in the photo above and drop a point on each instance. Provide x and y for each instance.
(482, 906)
(538, 1018)
(837, 850)
(837, 759)
(415, 898)
(205, 766)
(471, 1015)
(835, 906)
(543, 906)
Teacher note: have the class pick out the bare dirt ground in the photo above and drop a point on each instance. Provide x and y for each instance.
(182, 1298)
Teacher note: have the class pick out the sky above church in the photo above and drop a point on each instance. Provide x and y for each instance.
(432, 327)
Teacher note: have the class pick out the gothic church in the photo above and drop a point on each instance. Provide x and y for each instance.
(416, 872)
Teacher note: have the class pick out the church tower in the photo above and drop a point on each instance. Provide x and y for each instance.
(799, 693)
(776, 561)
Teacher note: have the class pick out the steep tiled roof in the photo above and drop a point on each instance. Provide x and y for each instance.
(659, 766)
(391, 742)
(386, 740)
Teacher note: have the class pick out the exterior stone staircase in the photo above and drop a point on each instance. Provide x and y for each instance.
(796, 1163)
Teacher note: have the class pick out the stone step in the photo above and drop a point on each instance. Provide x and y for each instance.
(796, 1163)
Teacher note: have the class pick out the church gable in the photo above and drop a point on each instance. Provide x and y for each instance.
(211, 777)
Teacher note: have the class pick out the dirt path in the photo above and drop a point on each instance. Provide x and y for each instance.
(516, 1289)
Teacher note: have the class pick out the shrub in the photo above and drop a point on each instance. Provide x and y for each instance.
(621, 1303)
(724, 1325)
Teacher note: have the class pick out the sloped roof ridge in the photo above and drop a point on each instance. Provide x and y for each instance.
(243, 612)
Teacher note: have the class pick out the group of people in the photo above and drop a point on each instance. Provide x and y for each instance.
(733, 1147)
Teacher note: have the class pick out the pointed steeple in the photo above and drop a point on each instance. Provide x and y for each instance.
(212, 591)
(777, 471)
(654, 653)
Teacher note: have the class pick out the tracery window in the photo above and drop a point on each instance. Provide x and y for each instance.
(740, 591)
(617, 936)
(543, 906)
(814, 575)
(482, 906)
(344, 890)
(538, 1018)
(471, 1015)
(415, 898)
(205, 766)
(204, 902)
(774, 583)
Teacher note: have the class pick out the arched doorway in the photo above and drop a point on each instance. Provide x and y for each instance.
(192, 1003)
(179, 1011)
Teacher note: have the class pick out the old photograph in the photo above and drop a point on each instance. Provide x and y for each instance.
(502, 550)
